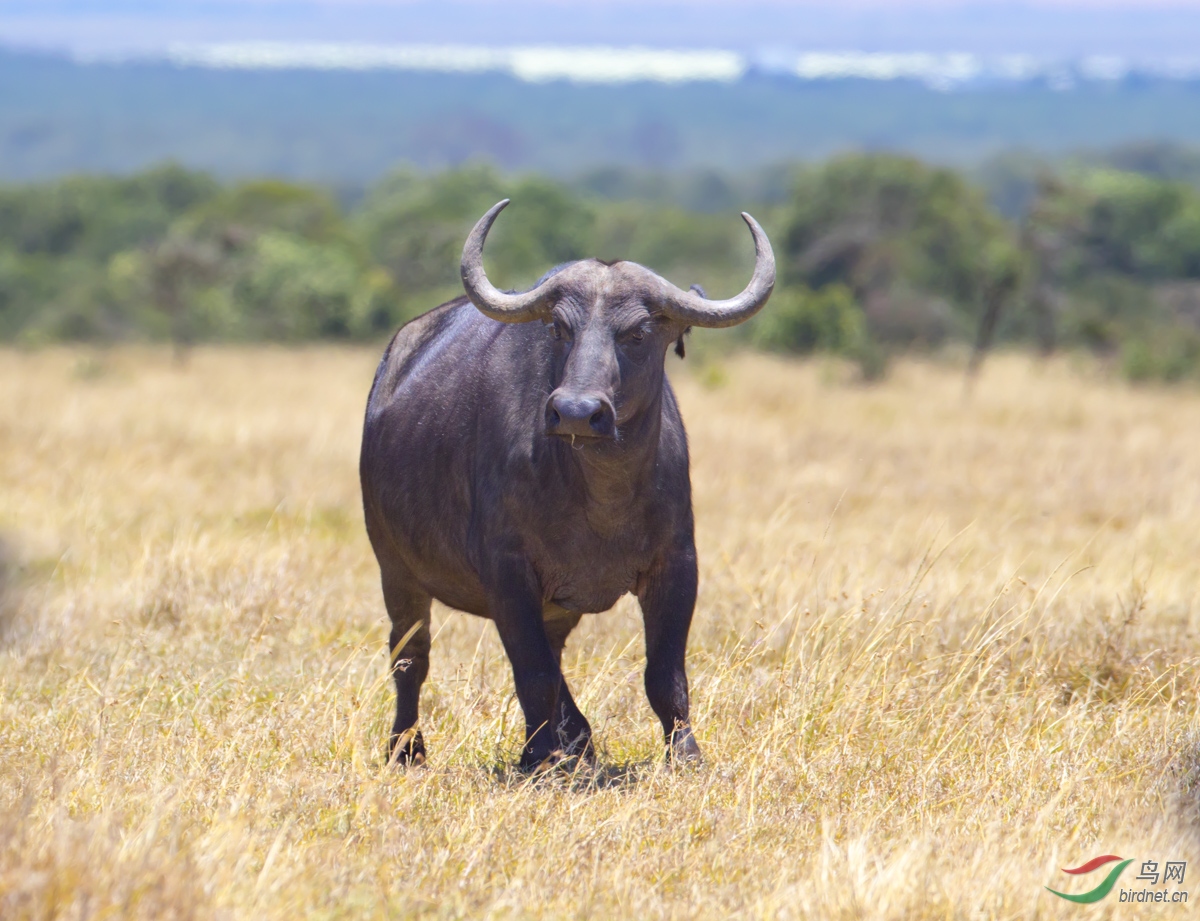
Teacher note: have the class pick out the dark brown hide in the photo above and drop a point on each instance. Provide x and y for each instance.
(534, 470)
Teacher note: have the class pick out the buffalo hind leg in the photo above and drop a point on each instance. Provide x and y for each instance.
(408, 648)
(667, 595)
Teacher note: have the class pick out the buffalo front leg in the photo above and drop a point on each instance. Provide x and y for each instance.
(559, 623)
(408, 649)
(516, 609)
(667, 594)
(574, 733)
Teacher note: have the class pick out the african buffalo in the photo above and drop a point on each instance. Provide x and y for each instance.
(532, 473)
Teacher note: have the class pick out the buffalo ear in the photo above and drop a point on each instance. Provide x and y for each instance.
(679, 350)
(679, 342)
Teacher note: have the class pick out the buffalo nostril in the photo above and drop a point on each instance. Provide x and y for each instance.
(579, 415)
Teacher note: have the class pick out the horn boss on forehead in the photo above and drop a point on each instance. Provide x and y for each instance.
(685, 306)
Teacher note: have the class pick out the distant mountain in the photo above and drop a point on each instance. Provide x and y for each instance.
(59, 116)
(628, 64)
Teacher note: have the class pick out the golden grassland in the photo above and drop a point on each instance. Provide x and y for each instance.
(943, 648)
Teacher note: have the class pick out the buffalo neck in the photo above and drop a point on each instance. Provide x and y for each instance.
(614, 475)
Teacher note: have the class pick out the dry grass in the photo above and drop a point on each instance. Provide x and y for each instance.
(942, 648)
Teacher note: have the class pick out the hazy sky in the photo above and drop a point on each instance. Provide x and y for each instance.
(135, 6)
(1045, 27)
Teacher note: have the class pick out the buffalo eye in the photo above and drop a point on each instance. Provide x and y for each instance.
(560, 331)
(637, 334)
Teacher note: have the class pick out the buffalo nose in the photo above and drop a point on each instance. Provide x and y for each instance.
(580, 415)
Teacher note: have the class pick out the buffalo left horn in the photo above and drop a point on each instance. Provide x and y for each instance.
(507, 308)
(689, 307)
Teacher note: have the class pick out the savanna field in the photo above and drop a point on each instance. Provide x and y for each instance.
(944, 647)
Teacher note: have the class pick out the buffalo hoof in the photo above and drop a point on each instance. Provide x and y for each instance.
(683, 750)
(558, 762)
(566, 758)
(408, 748)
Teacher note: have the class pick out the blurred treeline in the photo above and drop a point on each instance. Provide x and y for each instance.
(876, 253)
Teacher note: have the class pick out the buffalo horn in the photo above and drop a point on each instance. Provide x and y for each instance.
(507, 308)
(695, 310)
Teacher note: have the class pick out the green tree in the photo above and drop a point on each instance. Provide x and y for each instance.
(250, 208)
(801, 320)
(905, 237)
(415, 226)
(293, 289)
(95, 217)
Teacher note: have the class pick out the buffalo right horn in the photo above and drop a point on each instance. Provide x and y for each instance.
(695, 310)
(507, 308)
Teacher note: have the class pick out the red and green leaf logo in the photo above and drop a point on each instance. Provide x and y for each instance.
(1094, 895)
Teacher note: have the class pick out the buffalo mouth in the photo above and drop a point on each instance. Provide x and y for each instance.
(579, 440)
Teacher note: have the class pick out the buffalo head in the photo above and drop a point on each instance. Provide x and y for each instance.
(611, 324)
